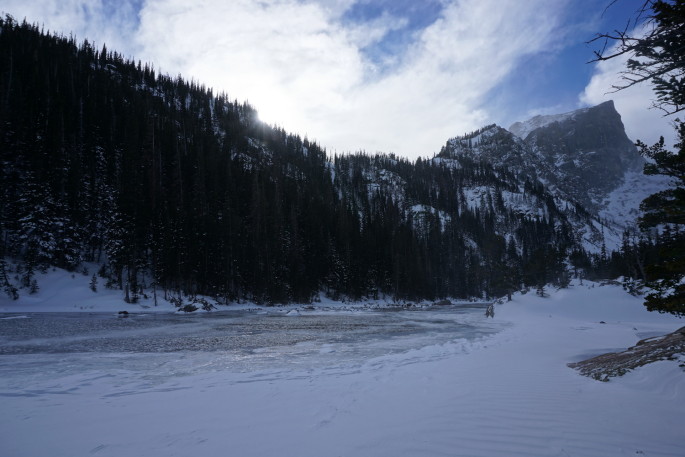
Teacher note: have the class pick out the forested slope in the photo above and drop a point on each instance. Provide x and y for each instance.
(171, 188)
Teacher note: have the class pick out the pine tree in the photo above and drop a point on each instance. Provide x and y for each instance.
(160, 181)
(33, 288)
(657, 57)
(7, 286)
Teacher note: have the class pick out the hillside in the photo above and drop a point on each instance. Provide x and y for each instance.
(173, 190)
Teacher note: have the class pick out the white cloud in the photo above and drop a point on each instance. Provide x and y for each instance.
(93, 20)
(641, 122)
(302, 69)
(284, 57)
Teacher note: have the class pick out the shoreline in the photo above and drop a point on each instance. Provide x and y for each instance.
(510, 393)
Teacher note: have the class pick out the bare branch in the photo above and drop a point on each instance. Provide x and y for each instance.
(656, 56)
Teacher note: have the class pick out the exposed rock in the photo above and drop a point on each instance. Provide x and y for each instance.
(585, 153)
(490, 311)
(579, 165)
(646, 351)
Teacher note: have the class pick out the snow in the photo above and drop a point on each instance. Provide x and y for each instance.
(484, 135)
(382, 179)
(63, 291)
(476, 195)
(523, 129)
(446, 162)
(509, 393)
(623, 203)
(421, 213)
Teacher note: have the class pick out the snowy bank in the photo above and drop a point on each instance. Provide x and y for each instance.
(510, 394)
(61, 291)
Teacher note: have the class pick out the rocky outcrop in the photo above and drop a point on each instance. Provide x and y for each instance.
(580, 156)
(649, 350)
(585, 153)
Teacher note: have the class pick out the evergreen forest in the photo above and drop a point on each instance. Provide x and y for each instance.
(171, 189)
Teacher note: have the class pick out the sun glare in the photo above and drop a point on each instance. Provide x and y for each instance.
(277, 110)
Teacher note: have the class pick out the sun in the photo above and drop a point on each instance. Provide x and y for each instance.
(277, 109)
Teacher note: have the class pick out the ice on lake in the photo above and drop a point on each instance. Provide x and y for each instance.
(372, 382)
(166, 345)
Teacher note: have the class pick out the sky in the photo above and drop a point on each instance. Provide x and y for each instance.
(394, 76)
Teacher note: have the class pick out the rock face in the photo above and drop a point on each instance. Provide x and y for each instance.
(606, 366)
(583, 160)
(585, 153)
(582, 156)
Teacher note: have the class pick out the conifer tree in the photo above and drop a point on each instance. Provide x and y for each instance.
(657, 57)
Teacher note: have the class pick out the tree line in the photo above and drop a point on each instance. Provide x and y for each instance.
(174, 190)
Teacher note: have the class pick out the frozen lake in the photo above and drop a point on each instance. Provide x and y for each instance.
(339, 381)
(164, 345)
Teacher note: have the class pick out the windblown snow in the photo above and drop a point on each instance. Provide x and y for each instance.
(522, 128)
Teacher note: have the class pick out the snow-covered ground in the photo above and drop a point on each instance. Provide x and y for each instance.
(63, 291)
(508, 393)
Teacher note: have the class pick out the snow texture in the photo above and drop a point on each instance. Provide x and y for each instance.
(510, 394)
(623, 203)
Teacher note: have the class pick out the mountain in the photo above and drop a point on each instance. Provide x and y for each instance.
(583, 158)
(163, 188)
(527, 193)
(586, 156)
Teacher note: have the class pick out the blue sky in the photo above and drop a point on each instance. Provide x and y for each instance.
(398, 76)
(417, 15)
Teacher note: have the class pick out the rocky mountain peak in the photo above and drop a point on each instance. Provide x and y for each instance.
(492, 143)
(583, 156)
(585, 153)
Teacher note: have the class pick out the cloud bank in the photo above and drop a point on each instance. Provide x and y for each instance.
(307, 67)
(302, 69)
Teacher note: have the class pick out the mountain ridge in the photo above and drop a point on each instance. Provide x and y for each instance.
(174, 190)
(582, 155)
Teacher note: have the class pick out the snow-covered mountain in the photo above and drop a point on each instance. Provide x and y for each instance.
(585, 153)
(160, 182)
(582, 157)
(520, 188)
(577, 170)
(581, 162)
(587, 156)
